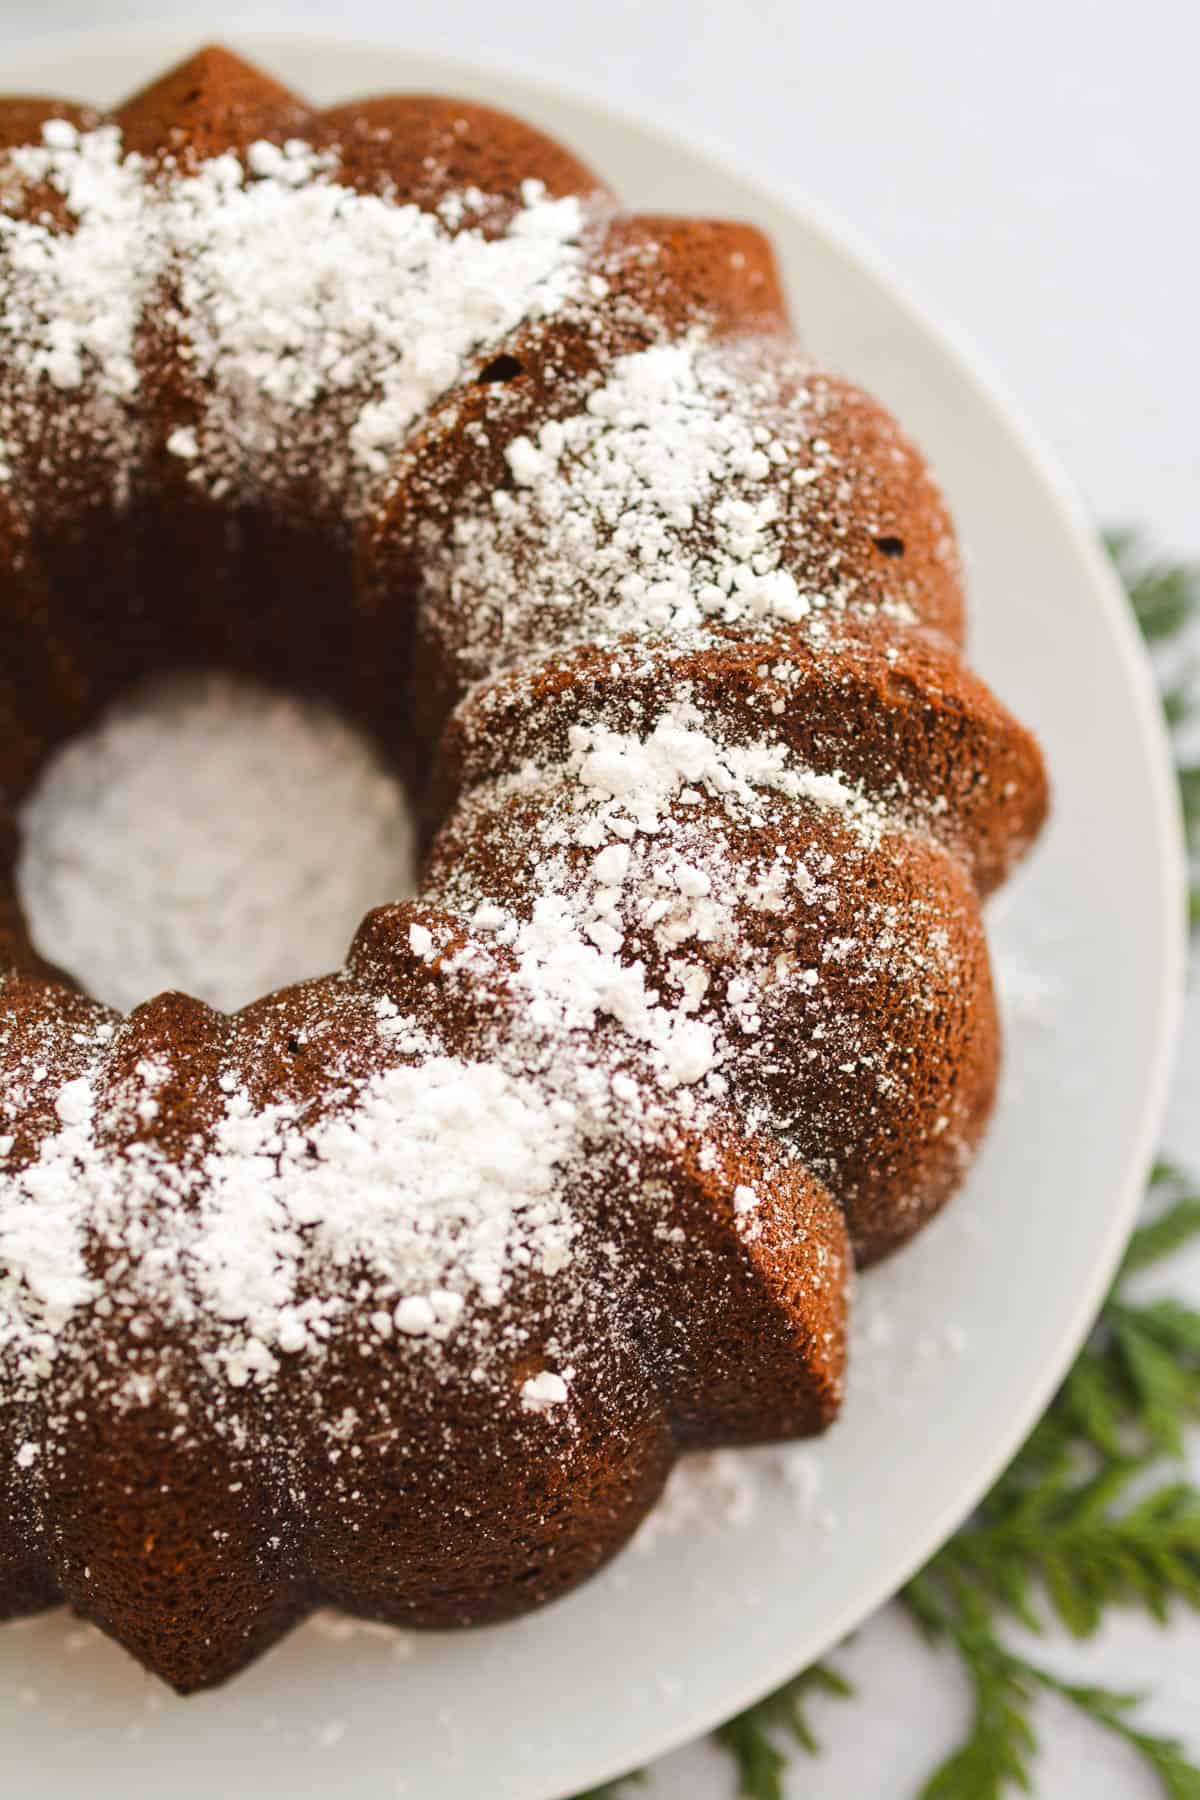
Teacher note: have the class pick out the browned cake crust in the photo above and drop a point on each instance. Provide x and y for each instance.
(710, 800)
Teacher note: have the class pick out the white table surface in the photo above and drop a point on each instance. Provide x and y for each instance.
(1031, 167)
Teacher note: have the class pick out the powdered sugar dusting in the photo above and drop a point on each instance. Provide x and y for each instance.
(666, 502)
(669, 877)
(42, 1239)
(641, 778)
(431, 1178)
(290, 293)
(177, 845)
(293, 288)
(72, 297)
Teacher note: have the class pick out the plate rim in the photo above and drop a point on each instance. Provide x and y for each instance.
(972, 366)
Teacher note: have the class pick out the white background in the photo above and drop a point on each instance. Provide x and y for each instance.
(1032, 169)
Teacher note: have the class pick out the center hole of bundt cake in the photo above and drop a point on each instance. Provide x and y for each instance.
(210, 835)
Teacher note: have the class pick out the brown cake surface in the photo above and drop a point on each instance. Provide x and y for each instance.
(402, 1288)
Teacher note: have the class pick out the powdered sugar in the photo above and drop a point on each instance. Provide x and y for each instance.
(662, 504)
(544, 1391)
(42, 1239)
(290, 293)
(178, 844)
(658, 868)
(639, 779)
(430, 1180)
(664, 438)
(294, 289)
(438, 1180)
(72, 298)
(684, 884)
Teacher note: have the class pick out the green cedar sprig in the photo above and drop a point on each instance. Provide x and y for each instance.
(1165, 597)
(999, 1754)
(753, 1737)
(1060, 1534)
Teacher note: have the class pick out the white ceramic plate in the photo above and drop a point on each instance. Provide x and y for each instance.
(968, 1332)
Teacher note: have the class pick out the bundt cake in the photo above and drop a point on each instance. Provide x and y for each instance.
(400, 1289)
